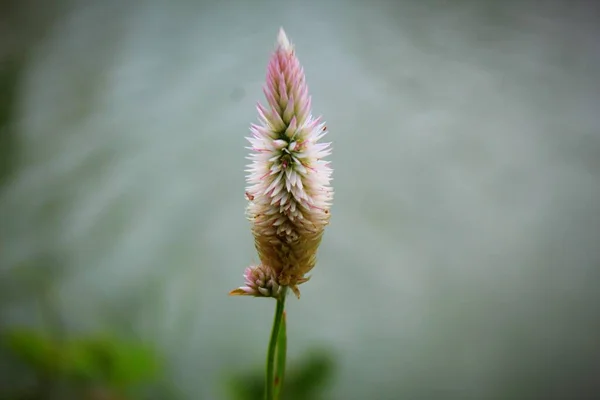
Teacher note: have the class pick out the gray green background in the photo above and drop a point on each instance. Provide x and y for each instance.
(462, 258)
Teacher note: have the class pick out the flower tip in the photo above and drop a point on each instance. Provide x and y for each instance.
(283, 42)
(238, 292)
(296, 291)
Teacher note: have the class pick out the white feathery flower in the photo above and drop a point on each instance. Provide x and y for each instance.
(289, 192)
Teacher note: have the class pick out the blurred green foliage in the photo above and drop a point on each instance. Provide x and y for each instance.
(102, 367)
(90, 364)
(305, 380)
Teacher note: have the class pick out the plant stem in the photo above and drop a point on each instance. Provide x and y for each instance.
(270, 379)
(281, 356)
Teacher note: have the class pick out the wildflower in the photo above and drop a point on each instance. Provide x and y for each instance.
(289, 192)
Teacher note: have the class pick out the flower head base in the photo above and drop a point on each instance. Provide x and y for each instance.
(259, 282)
(289, 195)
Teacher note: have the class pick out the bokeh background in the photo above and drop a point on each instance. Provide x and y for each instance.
(462, 259)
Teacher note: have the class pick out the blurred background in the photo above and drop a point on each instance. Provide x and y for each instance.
(462, 259)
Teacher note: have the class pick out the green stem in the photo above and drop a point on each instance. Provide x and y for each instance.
(281, 356)
(270, 379)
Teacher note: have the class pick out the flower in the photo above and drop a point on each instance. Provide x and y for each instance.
(289, 192)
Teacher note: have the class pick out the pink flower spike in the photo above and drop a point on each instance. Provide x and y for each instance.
(288, 191)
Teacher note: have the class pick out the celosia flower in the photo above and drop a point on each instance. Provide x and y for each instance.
(289, 195)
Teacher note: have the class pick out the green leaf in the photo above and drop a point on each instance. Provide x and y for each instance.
(308, 379)
(88, 359)
(250, 386)
(35, 349)
(304, 380)
(134, 363)
(111, 361)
